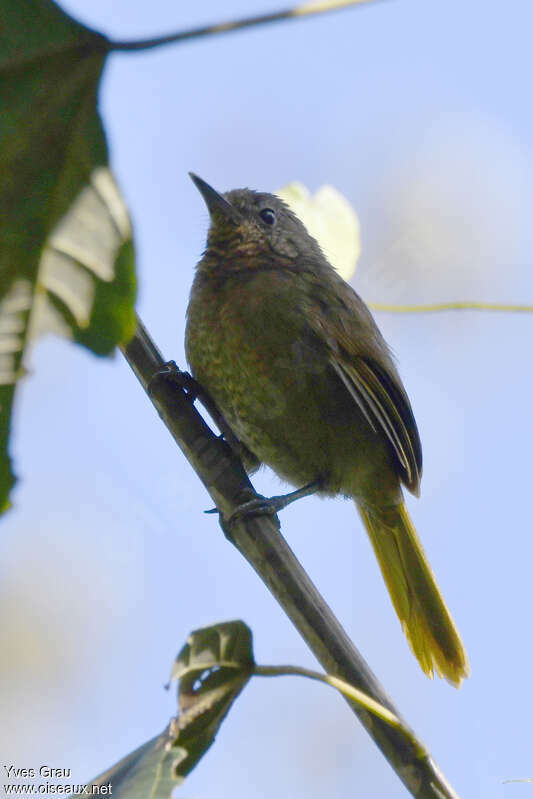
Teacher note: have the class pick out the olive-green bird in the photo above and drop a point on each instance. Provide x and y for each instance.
(294, 361)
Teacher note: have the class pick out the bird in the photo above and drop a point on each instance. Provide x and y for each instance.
(293, 360)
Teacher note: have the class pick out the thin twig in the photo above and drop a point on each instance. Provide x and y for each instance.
(451, 306)
(340, 685)
(259, 541)
(304, 10)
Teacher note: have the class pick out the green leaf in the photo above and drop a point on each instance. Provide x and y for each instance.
(86, 284)
(66, 254)
(213, 667)
(149, 771)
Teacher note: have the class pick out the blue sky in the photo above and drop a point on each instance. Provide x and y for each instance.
(419, 113)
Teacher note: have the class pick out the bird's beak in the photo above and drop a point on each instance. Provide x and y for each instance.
(215, 202)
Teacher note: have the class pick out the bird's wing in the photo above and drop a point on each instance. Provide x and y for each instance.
(361, 359)
(386, 409)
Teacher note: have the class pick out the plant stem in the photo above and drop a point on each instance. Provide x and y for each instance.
(342, 686)
(304, 10)
(459, 305)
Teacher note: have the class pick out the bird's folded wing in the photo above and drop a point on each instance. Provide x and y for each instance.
(386, 409)
(341, 323)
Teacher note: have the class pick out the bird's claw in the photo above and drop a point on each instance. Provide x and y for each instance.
(258, 506)
(269, 506)
(169, 373)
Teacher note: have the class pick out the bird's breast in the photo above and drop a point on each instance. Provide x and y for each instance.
(249, 344)
(244, 340)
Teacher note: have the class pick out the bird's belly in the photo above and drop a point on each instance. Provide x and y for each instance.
(297, 418)
(277, 391)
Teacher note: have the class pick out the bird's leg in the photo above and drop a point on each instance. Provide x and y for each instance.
(260, 506)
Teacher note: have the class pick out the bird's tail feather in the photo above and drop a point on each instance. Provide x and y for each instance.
(425, 619)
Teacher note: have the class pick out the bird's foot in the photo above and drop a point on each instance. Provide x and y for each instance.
(269, 506)
(169, 373)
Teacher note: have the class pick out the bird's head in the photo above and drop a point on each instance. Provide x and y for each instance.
(250, 227)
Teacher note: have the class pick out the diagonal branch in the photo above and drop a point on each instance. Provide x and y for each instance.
(304, 10)
(258, 539)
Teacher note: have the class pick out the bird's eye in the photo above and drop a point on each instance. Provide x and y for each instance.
(268, 216)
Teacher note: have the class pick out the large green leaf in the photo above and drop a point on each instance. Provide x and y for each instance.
(66, 253)
(212, 668)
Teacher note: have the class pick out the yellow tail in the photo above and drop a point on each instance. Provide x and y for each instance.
(425, 619)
